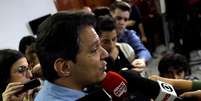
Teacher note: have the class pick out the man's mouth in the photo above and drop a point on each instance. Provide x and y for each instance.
(104, 67)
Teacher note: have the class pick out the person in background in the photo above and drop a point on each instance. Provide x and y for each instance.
(34, 63)
(120, 11)
(101, 11)
(152, 23)
(121, 55)
(70, 55)
(135, 22)
(14, 72)
(175, 66)
(26, 46)
(25, 43)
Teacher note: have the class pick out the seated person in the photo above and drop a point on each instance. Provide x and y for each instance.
(14, 72)
(70, 55)
(175, 66)
(121, 55)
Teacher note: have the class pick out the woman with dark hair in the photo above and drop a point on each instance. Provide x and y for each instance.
(14, 72)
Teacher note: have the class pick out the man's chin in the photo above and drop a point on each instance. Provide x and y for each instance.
(102, 76)
(120, 29)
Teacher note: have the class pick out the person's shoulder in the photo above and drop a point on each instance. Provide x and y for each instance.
(124, 47)
(122, 44)
(131, 34)
(129, 31)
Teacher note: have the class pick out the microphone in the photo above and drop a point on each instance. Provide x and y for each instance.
(113, 87)
(115, 84)
(160, 91)
(128, 82)
(180, 84)
(29, 85)
(98, 95)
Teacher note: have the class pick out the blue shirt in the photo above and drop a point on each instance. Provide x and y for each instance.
(53, 92)
(130, 37)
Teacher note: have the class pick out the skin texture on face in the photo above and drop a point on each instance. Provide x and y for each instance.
(108, 40)
(175, 74)
(17, 76)
(90, 65)
(121, 18)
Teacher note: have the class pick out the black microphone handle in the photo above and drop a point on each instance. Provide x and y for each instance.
(186, 99)
(29, 85)
(136, 83)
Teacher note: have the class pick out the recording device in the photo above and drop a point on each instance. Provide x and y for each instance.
(160, 91)
(29, 85)
(167, 92)
(119, 85)
(98, 95)
(129, 81)
(115, 85)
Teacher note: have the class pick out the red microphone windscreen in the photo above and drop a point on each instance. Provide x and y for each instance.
(115, 84)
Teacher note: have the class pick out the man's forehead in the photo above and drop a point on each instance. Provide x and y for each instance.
(119, 12)
(89, 36)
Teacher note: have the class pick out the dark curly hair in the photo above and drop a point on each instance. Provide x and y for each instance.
(173, 60)
(26, 41)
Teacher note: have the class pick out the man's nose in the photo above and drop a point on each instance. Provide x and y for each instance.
(104, 53)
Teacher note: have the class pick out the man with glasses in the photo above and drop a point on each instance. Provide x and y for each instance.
(120, 11)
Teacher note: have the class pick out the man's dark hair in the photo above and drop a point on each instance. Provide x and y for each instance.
(58, 37)
(101, 11)
(175, 61)
(26, 41)
(105, 23)
(120, 5)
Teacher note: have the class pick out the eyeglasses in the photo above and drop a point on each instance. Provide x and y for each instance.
(22, 69)
(120, 18)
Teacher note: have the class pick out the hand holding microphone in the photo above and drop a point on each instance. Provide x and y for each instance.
(120, 85)
(16, 90)
(180, 84)
(29, 85)
(195, 95)
(113, 87)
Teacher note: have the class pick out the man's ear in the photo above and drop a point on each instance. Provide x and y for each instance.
(62, 67)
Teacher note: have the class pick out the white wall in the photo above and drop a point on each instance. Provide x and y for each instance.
(14, 18)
